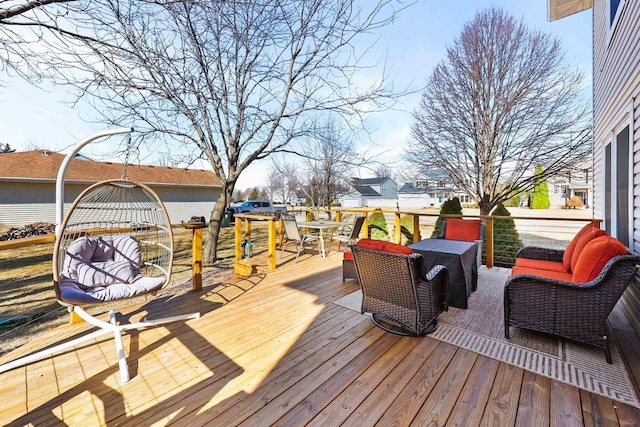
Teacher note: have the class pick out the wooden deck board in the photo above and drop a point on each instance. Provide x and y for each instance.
(274, 350)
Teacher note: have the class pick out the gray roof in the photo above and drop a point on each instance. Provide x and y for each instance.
(434, 174)
(411, 189)
(365, 191)
(368, 181)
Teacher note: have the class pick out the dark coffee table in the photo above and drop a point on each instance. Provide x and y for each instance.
(460, 259)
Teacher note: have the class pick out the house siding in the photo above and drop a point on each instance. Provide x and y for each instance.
(616, 99)
(28, 202)
(183, 203)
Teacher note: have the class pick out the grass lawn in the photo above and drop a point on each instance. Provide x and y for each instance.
(26, 288)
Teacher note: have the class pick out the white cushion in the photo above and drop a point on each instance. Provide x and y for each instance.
(99, 274)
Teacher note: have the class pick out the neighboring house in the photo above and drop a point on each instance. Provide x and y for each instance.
(616, 124)
(369, 191)
(430, 188)
(28, 179)
(576, 182)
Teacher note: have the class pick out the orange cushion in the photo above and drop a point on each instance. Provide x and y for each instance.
(381, 245)
(462, 229)
(568, 252)
(348, 256)
(541, 264)
(595, 255)
(586, 238)
(557, 275)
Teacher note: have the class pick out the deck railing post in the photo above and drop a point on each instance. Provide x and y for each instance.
(197, 259)
(489, 231)
(272, 244)
(416, 228)
(238, 239)
(365, 226)
(338, 216)
(397, 226)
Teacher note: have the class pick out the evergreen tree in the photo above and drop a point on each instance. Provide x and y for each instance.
(449, 207)
(506, 240)
(6, 148)
(406, 230)
(540, 196)
(378, 226)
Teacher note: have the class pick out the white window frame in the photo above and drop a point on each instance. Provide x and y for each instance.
(626, 120)
(612, 26)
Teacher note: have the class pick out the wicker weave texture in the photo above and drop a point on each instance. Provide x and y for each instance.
(577, 311)
(393, 285)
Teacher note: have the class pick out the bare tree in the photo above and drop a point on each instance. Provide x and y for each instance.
(239, 80)
(502, 102)
(383, 171)
(276, 185)
(326, 165)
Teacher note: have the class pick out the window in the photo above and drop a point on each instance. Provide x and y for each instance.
(614, 6)
(617, 206)
(622, 186)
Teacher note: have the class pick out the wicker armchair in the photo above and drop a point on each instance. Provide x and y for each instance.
(397, 293)
(577, 311)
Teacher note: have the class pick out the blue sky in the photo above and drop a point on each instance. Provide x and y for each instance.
(412, 45)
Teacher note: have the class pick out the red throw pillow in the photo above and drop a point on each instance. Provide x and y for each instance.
(462, 229)
(594, 256)
(381, 245)
(568, 252)
(582, 242)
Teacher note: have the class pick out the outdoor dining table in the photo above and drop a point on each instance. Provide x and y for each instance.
(460, 259)
(322, 227)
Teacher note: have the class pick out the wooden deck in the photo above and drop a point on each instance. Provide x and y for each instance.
(274, 350)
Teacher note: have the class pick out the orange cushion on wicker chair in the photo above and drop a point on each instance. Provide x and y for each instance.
(556, 275)
(540, 264)
(568, 252)
(595, 255)
(381, 245)
(467, 230)
(348, 256)
(584, 240)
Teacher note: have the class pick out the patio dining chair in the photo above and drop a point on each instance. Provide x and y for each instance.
(346, 239)
(293, 235)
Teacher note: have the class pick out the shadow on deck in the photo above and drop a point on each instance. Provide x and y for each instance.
(274, 349)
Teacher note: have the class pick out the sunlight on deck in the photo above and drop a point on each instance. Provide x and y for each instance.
(258, 362)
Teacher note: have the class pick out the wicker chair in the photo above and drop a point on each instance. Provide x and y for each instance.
(577, 311)
(400, 297)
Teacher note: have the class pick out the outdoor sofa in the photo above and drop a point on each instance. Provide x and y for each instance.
(569, 293)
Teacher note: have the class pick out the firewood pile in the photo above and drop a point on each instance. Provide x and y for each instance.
(29, 230)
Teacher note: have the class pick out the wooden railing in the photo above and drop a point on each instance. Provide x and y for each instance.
(196, 258)
(245, 267)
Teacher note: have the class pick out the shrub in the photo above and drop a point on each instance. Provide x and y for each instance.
(513, 202)
(506, 240)
(378, 226)
(449, 207)
(574, 202)
(540, 196)
(406, 230)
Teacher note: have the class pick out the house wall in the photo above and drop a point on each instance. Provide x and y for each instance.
(388, 190)
(616, 89)
(183, 203)
(24, 203)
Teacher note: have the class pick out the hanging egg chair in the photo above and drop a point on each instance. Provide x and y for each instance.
(114, 243)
